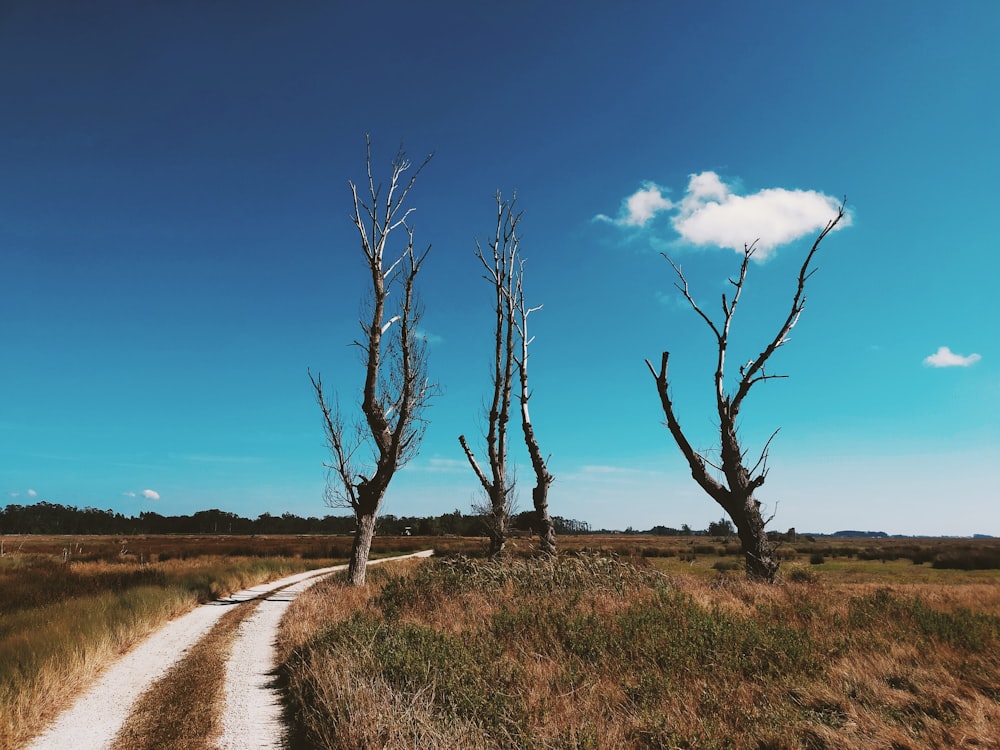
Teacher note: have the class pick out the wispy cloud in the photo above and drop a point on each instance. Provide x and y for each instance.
(439, 466)
(595, 473)
(638, 209)
(713, 213)
(32, 493)
(605, 469)
(128, 494)
(945, 357)
(151, 494)
(212, 458)
(430, 338)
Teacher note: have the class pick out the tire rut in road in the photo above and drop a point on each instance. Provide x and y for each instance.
(251, 711)
(252, 714)
(95, 719)
(192, 689)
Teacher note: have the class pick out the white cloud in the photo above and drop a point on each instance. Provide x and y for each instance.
(128, 494)
(945, 357)
(14, 494)
(151, 494)
(32, 493)
(639, 208)
(712, 213)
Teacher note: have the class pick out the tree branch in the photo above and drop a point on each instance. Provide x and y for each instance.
(750, 372)
(697, 464)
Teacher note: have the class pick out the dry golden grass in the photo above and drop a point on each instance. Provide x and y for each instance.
(62, 623)
(876, 651)
(193, 689)
(49, 655)
(588, 654)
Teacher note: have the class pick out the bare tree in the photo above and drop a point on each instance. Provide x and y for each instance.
(735, 488)
(540, 492)
(505, 272)
(396, 387)
(499, 484)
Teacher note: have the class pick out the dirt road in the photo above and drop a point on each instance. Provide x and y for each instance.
(252, 716)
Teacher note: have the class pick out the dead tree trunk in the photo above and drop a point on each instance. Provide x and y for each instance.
(361, 546)
(396, 388)
(540, 492)
(499, 484)
(734, 491)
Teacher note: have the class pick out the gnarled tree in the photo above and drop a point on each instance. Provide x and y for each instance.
(396, 387)
(734, 489)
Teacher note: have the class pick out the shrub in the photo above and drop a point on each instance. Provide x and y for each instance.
(727, 566)
(802, 575)
(968, 559)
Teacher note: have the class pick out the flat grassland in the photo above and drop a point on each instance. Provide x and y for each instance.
(71, 605)
(624, 642)
(644, 642)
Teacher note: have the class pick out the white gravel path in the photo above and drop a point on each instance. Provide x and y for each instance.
(252, 715)
(252, 718)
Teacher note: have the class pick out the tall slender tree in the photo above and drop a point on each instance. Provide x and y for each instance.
(499, 484)
(543, 478)
(734, 482)
(505, 273)
(396, 386)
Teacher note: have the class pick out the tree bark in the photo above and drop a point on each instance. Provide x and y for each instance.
(361, 548)
(758, 553)
(547, 529)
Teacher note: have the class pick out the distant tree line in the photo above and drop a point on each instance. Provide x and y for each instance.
(53, 518)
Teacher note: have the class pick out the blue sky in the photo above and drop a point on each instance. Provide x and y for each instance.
(176, 247)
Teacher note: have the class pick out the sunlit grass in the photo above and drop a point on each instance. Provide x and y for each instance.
(592, 652)
(832, 570)
(860, 646)
(194, 688)
(62, 623)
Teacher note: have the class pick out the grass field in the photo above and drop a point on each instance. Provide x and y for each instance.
(70, 605)
(640, 644)
(625, 642)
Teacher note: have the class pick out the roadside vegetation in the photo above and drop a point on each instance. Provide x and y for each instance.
(69, 606)
(626, 641)
(598, 650)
